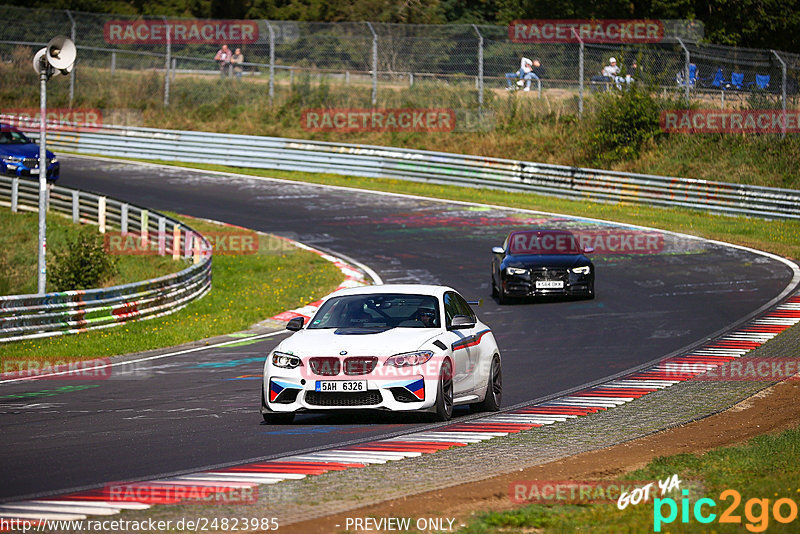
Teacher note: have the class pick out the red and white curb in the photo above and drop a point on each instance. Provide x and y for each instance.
(614, 393)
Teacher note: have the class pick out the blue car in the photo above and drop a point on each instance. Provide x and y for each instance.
(19, 156)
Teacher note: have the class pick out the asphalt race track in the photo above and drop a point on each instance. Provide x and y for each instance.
(201, 409)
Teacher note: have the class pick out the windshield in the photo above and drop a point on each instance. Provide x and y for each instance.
(378, 312)
(543, 242)
(12, 137)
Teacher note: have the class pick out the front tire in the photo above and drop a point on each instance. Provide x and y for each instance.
(502, 297)
(444, 393)
(494, 389)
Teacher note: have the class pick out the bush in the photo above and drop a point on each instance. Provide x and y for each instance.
(621, 124)
(82, 263)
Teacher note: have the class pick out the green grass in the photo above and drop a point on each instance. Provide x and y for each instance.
(781, 237)
(766, 467)
(19, 242)
(246, 289)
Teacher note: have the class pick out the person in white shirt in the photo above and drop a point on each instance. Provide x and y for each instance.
(611, 70)
(525, 74)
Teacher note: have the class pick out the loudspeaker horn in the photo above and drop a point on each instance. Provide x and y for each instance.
(37, 60)
(61, 52)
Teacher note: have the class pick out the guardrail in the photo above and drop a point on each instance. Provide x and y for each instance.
(429, 166)
(69, 312)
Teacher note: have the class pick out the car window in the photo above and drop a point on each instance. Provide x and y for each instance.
(463, 307)
(542, 242)
(378, 311)
(450, 308)
(11, 137)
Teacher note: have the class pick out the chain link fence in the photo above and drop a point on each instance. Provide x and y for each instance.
(129, 63)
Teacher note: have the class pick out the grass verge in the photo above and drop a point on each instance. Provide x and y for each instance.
(780, 237)
(19, 243)
(764, 471)
(246, 289)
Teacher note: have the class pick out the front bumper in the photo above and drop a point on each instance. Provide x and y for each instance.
(24, 171)
(573, 285)
(285, 392)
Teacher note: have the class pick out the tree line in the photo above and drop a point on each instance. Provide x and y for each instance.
(746, 23)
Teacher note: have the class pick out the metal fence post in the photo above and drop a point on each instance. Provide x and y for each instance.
(113, 63)
(72, 72)
(167, 62)
(374, 64)
(101, 214)
(271, 62)
(123, 219)
(76, 206)
(686, 81)
(480, 69)
(162, 236)
(783, 93)
(580, 73)
(14, 194)
(176, 241)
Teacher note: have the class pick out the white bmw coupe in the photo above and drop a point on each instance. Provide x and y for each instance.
(388, 347)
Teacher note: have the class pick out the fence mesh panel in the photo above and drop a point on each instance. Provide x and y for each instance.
(463, 67)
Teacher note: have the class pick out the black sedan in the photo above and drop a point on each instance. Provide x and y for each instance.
(539, 263)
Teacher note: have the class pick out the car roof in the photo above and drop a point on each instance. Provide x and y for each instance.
(411, 289)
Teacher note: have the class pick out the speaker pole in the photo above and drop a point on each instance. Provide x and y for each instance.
(44, 68)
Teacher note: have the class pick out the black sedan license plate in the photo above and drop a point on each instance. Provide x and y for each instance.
(341, 385)
(549, 284)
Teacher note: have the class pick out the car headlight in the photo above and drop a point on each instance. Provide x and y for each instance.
(287, 361)
(53, 160)
(418, 357)
(12, 159)
(516, 270)
(585, 269)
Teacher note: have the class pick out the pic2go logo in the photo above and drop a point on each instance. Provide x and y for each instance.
(756, 511)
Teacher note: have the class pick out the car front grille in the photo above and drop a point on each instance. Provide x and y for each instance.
(549, 274)
(34, 162)
(352, 366)
(357, 365)
(325, 366)
(344, 399)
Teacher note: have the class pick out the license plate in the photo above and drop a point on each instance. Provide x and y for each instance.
(34, 171)
(549, 284)
(337, 386)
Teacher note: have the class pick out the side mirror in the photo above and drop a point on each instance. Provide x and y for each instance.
(462, 321)
(295, 324)
(498, 250)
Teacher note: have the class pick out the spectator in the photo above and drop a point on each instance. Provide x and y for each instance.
(611, 71)
(236, 60)
(525, 74)
(223, 57)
